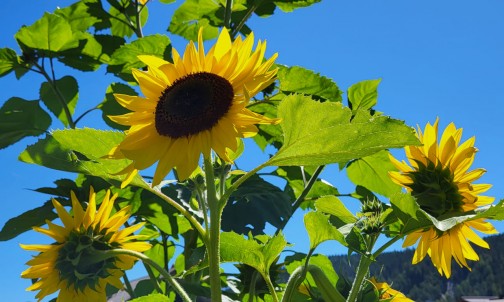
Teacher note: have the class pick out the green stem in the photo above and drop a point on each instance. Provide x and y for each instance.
(153, 278)
(271, 288)
(386, 245)
(138, 28)
(295, 279)
(54, 87)
(176, 286)
(224, 198)
(197, 226)
(213, 246)
(84, 114)
(227, 13)
(129, 289)
(362, 271)
(301, 197)
(251, 10)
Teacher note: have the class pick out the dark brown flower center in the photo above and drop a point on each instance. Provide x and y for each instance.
(192, 104)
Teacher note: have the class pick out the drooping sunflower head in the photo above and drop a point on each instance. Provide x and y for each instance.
(194, 105)
(438, 177)
(75, 264)
(387, 293)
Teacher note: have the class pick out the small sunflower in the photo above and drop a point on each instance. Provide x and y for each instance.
(388, 293)
(194, 105)
(440, 181)
(74, 264)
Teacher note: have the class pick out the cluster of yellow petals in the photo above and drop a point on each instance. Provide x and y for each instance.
(458, 157)
(387, 293)
(43, 266)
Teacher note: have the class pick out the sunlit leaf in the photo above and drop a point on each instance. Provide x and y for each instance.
(495, 212)
(300, 80)
(77, 16)
(268, 134)
(408, 211)
(121, 25)
(371, 172)
(332, 205)
(290, 5)
(21, 118)
(82, 151)
(321, 133)
(192, 15)
(320, 229)
(51, 33)
(152, 298)
(64, 90)
(363, 95)
(8, 59)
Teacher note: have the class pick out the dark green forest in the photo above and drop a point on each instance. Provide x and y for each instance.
(422, 282)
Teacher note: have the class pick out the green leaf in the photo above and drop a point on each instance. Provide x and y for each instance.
(255, 203)
(300, 80)
(288, 6)
(66, 88)
(494, 212)
(77, 16)
(152, 298)
(191, 16)
(156, 254)
(320, 229)
(371, 172)
(268, 134)
(235, 248)
(363, 95)
(8, 59)
(110, 106)
(317, 133)
(127, 55)
(333, 206)
(407, 210)
(120, 24)
(20, 118)
(26, 221)
(51, 33)
(81, 151)
(322, 261)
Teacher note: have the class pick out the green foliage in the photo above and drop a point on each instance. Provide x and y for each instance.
(21, 118)
(54, 94)
(27, 220)
(363, 95)
(320, 229)
(152, 298)
(110, 107)
(306, 123)
(8, 61)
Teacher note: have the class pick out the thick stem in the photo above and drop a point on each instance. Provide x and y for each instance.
(295, 279)
(271, 288)
(362, 271)
(386, 245)
(227, 14)
(168, 278)
(213, 245)
(138, 27)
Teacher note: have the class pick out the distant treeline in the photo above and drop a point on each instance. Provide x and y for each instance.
(422, 282)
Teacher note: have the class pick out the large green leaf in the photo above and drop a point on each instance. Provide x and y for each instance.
(77, 16)
(8, 59)
(255, 203)
(65, 90)
(407, 210)
(320, 229)
(290, 5)
(300, 80)
(371, 172)
(123, 13)
(363, 95)
(333, 206)
(495, 212)
(82, 151)
(236, 248)
(127, 55)
(110, 106)
(51, 33)
(20, 118)
(191, 16)
(27, 220)
(322, 133)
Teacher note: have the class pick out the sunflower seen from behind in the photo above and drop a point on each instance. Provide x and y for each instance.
(194, 105)
(74, 265)
(439, 177)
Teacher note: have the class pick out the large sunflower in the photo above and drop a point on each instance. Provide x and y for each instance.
(387, 293)
(193, 105)
(440, 181)
(74, 264)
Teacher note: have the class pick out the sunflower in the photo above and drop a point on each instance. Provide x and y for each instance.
(439, 179)
(74, 264)
(388, 293)
(194, 105)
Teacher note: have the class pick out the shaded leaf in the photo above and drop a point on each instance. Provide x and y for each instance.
(66, 88)
(255, 203)
(51, 33)
(8, 59)
(120, 25)
(322, 133)
(268, 134)
(26, 221)
(371, 172)
(300, 80)
(21, 118)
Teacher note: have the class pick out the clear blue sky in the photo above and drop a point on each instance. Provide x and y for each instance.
(435, 58)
